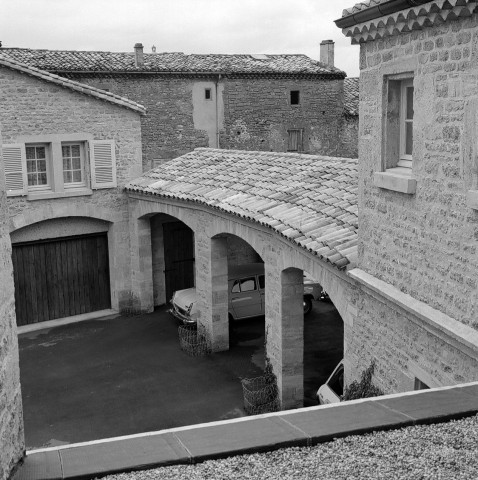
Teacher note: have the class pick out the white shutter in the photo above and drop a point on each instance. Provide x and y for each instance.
(15, 165)
(103, 164)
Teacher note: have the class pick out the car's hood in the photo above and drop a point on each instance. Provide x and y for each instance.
(184, 298)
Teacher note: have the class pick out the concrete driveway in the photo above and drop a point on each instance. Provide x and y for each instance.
(126, 375)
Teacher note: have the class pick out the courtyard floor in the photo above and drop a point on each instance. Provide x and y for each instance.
(125, 375)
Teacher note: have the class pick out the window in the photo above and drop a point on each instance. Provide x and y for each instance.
(37, 162)
(295, 142)
(244, 285)
(406, 124)
(207, 94)
(294, 97)
(397, 144)
(53, 166)
(73, 162)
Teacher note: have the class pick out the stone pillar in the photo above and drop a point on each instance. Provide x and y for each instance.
(211, 285)
(285, 332)
(141, 294)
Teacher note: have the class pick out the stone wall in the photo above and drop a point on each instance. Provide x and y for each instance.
(425, 244)
(168, 129)
(348, 134)
(252, 113)
(258, 114)
(11, 417)
(32, 107)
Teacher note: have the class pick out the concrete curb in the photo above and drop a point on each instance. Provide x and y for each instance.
(302, 427)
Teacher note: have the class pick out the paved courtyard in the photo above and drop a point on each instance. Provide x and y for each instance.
(126, 375)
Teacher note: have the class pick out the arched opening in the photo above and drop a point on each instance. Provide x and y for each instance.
(61, 268)
(323, 339)
(173, 257)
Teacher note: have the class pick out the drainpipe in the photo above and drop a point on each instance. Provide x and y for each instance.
(217, 110)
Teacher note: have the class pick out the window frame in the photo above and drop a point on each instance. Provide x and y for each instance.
(405, 160)
(82, 183)
(47, 187)
(300, 140)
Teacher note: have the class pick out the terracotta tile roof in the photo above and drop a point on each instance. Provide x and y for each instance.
(310, 200)
(351, 96)
(76, 61)
(72, 85)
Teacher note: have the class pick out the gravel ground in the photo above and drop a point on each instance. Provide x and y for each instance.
(441, 451)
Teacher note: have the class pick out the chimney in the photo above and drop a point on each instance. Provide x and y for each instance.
(138, 55)
(153, 48)
(327, 52)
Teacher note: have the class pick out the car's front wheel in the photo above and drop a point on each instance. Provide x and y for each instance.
(307, 305)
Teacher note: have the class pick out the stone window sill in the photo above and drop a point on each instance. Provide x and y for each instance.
(399, 179)
(32, 196)
(472, 199)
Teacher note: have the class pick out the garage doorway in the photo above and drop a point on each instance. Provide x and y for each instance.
(61, 277)
(178, 257)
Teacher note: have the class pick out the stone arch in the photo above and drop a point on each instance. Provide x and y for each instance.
(48, 212)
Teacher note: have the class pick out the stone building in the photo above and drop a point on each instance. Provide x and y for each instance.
(12, 444)
(250, 102)
(418, 192)
(68, 150)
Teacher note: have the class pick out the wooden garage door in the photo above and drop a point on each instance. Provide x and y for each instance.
(178, 257)
(61, 277)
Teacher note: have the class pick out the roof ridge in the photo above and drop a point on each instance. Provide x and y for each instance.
(72, 84)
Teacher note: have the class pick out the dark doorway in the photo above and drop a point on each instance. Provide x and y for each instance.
(61, 277)
(178, 257)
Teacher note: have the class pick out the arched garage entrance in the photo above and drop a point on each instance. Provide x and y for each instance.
(61, 269)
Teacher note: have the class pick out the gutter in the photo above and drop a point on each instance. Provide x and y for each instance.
(387, 8)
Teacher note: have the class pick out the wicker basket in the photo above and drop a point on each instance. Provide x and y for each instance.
(260, 395)
(191, 342)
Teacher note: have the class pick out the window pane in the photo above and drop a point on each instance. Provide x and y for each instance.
(235, 287)
(75, 150)
(42, 179)
(66, 164)
(77, 176)
(248, 285)
(32, 179)
(41, 165)
(409, 103)
(40, 152)
(409, 138)
(76, 163)
(67, 177)
(30, 151)
(30, 166)
(65, 150)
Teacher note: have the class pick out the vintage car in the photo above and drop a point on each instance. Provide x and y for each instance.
(333, 389)
(246, 288)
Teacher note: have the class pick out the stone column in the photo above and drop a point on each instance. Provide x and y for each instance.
(211, 285)
(140, 297)
(285, 332)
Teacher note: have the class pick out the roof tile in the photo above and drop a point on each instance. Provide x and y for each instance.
(176, 62)
(325, 224)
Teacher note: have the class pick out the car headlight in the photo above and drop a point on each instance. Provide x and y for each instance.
(190, 307)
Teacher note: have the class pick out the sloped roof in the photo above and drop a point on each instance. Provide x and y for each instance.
(83, 61)
(351, 96)
(308, 199)
(72, 85)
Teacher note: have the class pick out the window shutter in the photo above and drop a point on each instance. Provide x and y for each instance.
(103, 164)
(15, 164)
